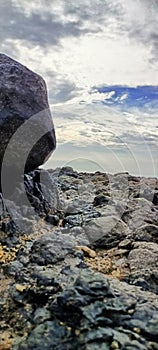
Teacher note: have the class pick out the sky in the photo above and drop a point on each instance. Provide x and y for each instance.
(99, 60)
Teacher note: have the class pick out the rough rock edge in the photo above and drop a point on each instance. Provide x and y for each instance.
(48, 289)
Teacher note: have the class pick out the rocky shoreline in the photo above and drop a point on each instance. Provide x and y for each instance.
(79, 262)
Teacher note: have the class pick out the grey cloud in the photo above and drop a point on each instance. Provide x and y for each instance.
(96, 11)
(44, 27)
(133, 138)
(64, 91)
(47, 28)
(144, 27)
(35, 28)
(60, 90)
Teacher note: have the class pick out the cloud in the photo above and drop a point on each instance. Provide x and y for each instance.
(94, 11)
(89, 124)
(82, 44)
(39, 28)
(45, 23)
(140, 23)
(106, 136)
(62, 91)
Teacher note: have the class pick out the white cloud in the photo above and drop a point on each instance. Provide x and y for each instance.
(123, 97)
(115, 141)
(90, 123)
(92, 60)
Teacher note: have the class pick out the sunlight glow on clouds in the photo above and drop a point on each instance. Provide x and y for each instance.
(92, 123)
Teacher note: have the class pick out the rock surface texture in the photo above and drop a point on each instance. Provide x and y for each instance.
(23, 97)
(79, 265)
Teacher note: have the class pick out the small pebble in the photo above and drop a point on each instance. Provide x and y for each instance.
(136, 330)
(91, 253)
(114, 345)
(20, 287)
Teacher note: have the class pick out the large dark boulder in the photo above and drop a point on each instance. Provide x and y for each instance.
(27, 136)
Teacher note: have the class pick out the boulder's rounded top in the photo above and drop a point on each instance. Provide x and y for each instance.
(6, 61)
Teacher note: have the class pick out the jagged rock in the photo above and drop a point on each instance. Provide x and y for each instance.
(51, 296)
(94, 313)
(51, 248)
(147, 232)
(106, 231)
(143, 262)
(23, 97)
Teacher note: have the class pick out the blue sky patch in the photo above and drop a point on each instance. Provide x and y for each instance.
(126, 97)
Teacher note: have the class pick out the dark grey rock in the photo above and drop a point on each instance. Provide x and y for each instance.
(101, 199)
(106, 231)
(73, 220)
(51, 299)
(49, 249)
(14, 268)
(52, 219)
(155, 198)
(41, 315)
(147, 232)
(46, 336)
(96, 313)
(143, 262)
(23, 95)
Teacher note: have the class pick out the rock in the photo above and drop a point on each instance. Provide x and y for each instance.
(100, 199)
(147, 232)
(155, 198)
(52, 219)
(50, 249)
(51, 294)
(14, 268)
(106, 232)
(139, 213)
(143, 263)
(72, 220)
(89, 252)
(23, 97)
(46, 336)
(95, 313)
